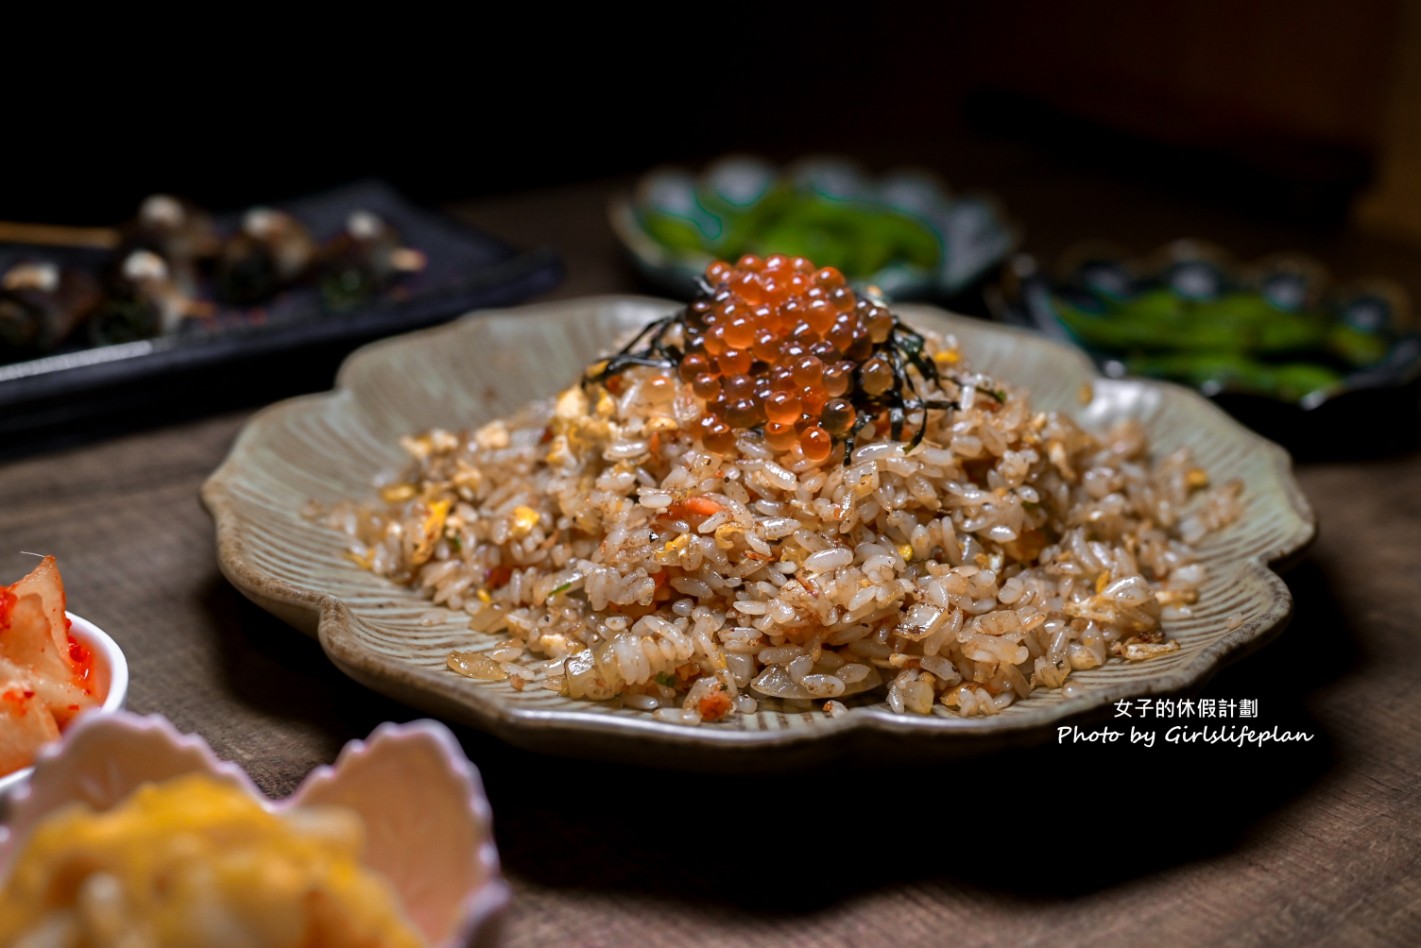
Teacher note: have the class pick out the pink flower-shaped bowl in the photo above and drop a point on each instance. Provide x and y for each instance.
(427, 820)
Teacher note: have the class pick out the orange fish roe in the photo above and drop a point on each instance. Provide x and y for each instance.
(781, 346)
(772, 344)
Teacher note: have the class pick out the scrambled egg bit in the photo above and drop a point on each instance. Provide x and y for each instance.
(195, 861)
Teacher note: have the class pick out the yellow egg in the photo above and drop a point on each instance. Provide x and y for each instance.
(197, 861)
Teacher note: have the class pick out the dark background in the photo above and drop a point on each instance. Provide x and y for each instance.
(1278, 108)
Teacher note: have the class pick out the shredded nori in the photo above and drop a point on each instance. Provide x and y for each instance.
(904, 350)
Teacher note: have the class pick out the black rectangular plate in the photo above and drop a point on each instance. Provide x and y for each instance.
(289, 344)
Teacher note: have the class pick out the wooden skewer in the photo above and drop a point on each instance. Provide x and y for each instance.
(58, 235)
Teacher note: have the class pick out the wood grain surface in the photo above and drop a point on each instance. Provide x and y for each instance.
(1314, 842)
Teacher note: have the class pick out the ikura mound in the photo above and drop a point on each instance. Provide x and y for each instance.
(783, 497)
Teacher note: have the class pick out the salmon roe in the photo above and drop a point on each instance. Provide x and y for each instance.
(778, 343)
(790, 351)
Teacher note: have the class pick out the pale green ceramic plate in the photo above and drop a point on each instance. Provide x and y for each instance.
(330, 447)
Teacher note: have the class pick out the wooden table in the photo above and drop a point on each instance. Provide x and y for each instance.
(1315, 842)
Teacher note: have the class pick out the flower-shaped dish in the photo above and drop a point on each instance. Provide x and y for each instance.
(422, 805)
(110, 677)
(1323, 367)
(331, 447)
(901, 231)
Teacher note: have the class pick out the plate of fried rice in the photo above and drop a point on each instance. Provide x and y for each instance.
(782, 522)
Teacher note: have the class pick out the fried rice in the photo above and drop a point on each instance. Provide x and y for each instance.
(950, 564)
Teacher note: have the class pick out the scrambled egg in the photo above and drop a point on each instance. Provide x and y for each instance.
(195, 861)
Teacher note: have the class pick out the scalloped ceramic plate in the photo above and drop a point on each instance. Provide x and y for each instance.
(330, 447)
(427, 821)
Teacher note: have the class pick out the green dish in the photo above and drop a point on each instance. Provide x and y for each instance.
(1273, 341)
(901, 233)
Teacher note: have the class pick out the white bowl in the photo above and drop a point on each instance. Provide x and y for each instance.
(111, 676)
(428, 823)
